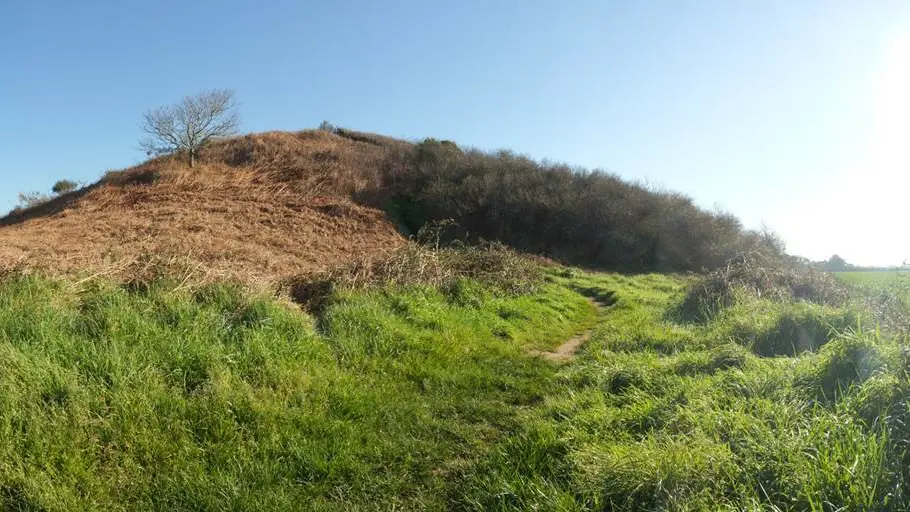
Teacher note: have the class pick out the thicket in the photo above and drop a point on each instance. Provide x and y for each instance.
(573, 215)
(759, 275)
(449, 269)
(577, 216)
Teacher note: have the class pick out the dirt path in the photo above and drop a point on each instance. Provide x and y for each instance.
(567, 350)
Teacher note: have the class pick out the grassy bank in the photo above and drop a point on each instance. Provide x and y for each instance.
(161, 399)
(424, 398)
(769, 405)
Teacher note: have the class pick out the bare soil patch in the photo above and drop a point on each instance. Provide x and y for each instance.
(567, 350)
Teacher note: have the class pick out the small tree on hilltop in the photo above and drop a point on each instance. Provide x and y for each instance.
(189, 125)
(64, 186)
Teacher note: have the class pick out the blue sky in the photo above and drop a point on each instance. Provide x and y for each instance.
(789, 113)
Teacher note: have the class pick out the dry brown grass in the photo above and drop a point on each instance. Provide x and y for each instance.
(257, 208)
(311, 162)
(268, 205)
(494, 265)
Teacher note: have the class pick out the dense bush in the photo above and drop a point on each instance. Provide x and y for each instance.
(577, 216)
(64, 186)
(763, 276)
(492, 265)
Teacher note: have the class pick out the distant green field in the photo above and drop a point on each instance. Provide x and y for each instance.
(870, 277)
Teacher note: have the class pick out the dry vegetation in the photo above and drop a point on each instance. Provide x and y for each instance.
(449, 269)
(266, 206)
(760, 276)
(259, 217)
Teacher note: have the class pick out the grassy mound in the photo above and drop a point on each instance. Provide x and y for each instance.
(775, 328)
(266, 206)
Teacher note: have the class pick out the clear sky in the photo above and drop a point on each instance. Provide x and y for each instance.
(791, 113)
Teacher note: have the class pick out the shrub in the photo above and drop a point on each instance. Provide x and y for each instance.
(573, 215)
(449, 269)
(64, 186)
(31, 200)
(758, 275)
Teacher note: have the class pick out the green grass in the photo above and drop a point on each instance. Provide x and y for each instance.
(663, 415)
(414, 399)
(870, 278)
(893, 283)
(164, 399)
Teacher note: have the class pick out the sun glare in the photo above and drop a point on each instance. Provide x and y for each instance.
(892, 130)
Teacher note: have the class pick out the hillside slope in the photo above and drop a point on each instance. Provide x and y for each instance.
(266, 205)
(252, 220)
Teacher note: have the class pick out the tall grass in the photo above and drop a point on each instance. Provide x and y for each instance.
(413, 397)
(450, 269)
(169, 398)
(667, 416)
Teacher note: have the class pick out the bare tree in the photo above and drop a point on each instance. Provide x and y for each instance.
(187, 126)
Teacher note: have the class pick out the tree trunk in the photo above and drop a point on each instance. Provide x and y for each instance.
(192, 158)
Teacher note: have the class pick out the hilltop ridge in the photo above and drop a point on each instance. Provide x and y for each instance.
(263, 206)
